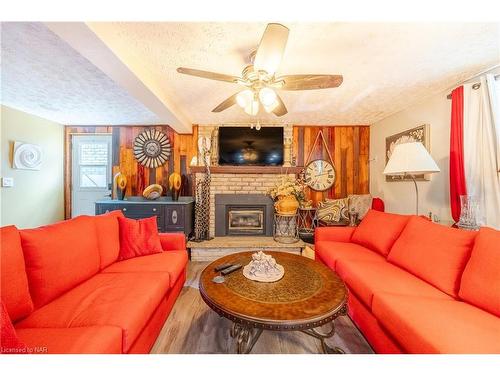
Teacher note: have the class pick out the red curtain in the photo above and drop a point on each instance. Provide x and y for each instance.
(457, 174)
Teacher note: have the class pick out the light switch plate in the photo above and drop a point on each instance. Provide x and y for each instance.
(7, 182)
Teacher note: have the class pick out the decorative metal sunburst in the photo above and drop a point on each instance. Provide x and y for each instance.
(152, 148)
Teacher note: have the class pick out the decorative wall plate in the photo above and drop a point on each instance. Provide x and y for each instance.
(152, 148)
(27, 156)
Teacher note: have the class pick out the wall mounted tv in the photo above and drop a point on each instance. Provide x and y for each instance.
(240, 145)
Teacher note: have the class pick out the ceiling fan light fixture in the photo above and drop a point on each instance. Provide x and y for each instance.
(259, 78)
(270, 108)
(244, 98)
(252, 108)
(267, 97)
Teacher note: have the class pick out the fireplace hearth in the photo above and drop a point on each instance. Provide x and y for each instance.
(243, 215)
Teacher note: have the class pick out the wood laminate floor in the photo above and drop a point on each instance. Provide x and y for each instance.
(193, 328)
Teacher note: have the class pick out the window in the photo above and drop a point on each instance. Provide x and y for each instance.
(93, 161)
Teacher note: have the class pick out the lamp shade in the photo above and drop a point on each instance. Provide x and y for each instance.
(410, 158)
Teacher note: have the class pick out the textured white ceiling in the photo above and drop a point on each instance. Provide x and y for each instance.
(44, 76)
(386, 66)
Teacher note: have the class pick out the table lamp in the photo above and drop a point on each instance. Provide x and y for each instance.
(410, 159)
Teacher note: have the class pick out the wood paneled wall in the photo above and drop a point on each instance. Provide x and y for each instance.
(348, 145)
(123, 160)
(349, 148)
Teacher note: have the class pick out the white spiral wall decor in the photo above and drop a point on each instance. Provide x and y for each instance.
(27, 156)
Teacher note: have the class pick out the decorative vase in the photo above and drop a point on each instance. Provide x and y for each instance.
(286, 205)
(120, 185)
(174, 183)
(469, 207)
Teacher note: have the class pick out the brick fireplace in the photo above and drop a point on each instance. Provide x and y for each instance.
(237, 184)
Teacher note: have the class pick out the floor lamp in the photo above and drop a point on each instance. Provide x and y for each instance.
(410, 159)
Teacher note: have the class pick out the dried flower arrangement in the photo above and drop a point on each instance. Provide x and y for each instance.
(288, 185)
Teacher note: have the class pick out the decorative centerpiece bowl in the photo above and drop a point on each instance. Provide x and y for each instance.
(263, 268)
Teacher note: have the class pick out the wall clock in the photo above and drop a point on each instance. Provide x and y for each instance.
(319, 175)
(152, 148)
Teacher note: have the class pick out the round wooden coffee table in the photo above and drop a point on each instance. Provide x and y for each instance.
(308, 296)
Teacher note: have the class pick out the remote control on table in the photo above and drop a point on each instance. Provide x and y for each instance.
(231, 269)
(222, 266)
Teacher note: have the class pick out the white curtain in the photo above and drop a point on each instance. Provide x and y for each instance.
(481, 149)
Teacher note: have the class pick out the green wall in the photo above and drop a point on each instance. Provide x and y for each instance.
(37, 197)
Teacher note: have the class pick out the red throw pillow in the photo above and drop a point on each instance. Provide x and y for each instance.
(379, 230)
(433, 252)
(138, 237)
(481, 278)
(9, 342)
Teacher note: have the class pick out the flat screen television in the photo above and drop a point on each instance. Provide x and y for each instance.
(244, 146)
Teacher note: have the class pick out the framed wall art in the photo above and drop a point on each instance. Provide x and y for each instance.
(27, 156)
(417, 134)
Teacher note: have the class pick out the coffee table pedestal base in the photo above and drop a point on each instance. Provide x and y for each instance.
(323, 336)
(246, 336)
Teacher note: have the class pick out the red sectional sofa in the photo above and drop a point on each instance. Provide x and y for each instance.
(66, 292)
(416, 286)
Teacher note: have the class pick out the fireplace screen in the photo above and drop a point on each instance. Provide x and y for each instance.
(246, 221)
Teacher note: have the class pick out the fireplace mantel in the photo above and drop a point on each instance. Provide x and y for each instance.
(246, 169)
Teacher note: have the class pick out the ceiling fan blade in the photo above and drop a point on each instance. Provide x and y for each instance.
(209, 75)
(226, 103)
(271, 48)
(310, 81)
(280, 109)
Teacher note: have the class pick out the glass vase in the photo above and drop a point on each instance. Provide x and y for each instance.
(469, 209)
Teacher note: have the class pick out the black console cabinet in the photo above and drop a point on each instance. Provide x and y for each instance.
(172, 216)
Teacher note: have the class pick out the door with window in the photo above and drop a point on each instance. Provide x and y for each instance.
(91, 172)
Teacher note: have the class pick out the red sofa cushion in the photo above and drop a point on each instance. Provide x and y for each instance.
(138, 237)
(366, 279)
(337, 234)
(330, 253)
(379, 230)
(433, 252)
(13, 279)
(77, 340)
(108, 235)
(430, 325)
(9, 341)
(173, 262)
(172, 241)
(371, 328)
(125, 300)
(378, 204)
(59, 257)
(481, 279)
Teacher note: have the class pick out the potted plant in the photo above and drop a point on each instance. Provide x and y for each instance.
(287, 193)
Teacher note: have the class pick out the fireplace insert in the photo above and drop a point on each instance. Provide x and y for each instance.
(243, 215)
(245, 221)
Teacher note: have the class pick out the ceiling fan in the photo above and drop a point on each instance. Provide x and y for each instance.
(259, 78)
